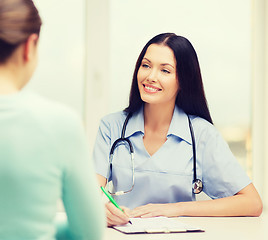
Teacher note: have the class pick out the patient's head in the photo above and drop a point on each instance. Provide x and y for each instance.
(18, 20)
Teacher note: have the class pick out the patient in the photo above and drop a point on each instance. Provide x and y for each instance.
(43, 148)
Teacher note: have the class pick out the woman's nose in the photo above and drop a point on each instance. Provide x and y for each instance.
(152, 77)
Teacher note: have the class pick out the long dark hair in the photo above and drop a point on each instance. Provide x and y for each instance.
(191, 96)
(18, 20)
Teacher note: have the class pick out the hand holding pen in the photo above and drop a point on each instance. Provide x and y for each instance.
(115, 217)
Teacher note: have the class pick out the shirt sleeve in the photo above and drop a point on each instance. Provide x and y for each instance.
(80, 192)
(102, 148)
(222, 174)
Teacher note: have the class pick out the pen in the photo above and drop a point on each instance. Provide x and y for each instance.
(112, 200)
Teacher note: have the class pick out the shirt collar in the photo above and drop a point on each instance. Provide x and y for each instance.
(135, 123)
(179, 125)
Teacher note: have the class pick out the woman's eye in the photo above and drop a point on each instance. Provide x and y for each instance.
(145, 65)
(165, 71)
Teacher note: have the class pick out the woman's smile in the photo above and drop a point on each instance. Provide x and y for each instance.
(151, 89)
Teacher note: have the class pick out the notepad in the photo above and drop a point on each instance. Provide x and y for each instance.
(156, 225)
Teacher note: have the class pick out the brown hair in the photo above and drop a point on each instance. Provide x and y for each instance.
(18, 20)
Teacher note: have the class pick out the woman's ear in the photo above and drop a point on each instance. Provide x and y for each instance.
(30, 47)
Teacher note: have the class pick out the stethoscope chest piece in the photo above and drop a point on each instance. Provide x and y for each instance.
(197, 186)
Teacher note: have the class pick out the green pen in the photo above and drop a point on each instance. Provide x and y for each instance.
(112, 200)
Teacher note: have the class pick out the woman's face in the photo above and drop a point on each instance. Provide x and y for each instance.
(157, 76)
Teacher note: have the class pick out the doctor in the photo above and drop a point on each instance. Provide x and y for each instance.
(167, 88)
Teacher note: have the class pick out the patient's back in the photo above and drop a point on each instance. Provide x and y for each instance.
(42, 156)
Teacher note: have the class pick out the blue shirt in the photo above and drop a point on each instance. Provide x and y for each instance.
(167, 175)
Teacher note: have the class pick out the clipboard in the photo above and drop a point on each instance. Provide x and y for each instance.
(156, 225)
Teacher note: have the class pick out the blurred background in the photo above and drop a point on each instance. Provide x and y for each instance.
(88, 51)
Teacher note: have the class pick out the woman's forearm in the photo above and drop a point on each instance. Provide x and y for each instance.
(245, 203)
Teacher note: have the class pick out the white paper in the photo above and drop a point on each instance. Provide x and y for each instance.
(155, 225)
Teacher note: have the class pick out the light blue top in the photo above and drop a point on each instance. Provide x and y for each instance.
(44, 157)
(166, 177)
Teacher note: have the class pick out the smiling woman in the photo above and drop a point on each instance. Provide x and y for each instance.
(174, 141)
(157, 81)
(224, 56)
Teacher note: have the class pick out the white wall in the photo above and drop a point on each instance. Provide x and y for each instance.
(260, 96)
(97, 65)
(60, 74)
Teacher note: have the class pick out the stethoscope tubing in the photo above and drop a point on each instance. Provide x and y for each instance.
(197, 183)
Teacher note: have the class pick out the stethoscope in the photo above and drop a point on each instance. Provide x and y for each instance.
(197, 185)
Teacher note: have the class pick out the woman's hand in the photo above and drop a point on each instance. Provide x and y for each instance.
(115, 216)
(154, 210)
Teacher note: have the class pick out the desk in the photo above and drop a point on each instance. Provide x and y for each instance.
(216, 228)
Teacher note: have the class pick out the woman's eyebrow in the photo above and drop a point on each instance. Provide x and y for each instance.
(162, 64)
(146, 59)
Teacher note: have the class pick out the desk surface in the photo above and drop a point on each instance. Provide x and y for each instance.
(226, 228)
